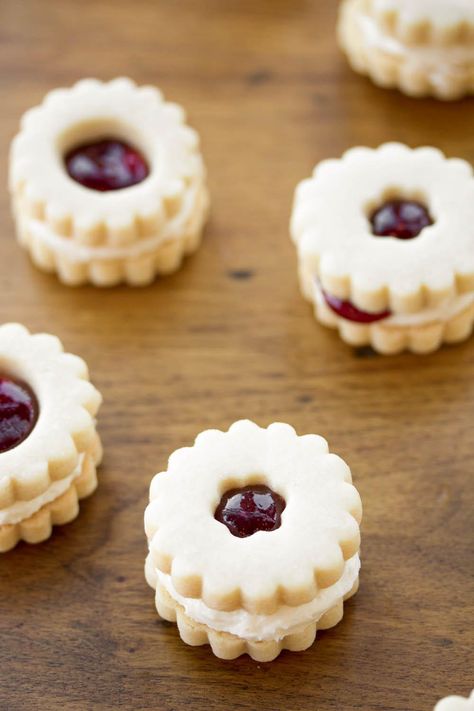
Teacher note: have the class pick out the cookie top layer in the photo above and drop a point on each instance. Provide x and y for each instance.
(332, 229)
(319, 526)
(67, 404)
(456, 703)
(438, 21)
(90, 111)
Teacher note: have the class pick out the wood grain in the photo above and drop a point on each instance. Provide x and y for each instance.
(228, 337)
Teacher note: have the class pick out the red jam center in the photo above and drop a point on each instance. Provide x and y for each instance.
(347, 310)
(18, 412)
(250, 509)
(403, 219)
(106, 165)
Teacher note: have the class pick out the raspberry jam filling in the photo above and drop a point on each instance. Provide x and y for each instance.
(403, 219)
(106, 165)
(250, 509)
(18, 412)
(347, 310)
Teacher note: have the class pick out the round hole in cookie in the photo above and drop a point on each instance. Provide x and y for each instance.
(245, 510)
(19, 411)
(103, 156)
(400, 216)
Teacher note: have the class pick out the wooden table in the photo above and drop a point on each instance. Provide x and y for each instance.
(229, 337)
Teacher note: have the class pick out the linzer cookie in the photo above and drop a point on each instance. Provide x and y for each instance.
(386, 247)
(422, 47)
(456, 703)
(49, 448)
(107, 184)
(253, 540)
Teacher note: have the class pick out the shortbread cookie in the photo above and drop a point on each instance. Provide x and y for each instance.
(456, 703)
(386, 248)
(253, 540)
(49, 446)
(422, 47)
(107, 183)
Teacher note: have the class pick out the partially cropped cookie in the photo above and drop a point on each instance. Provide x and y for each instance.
(422, 47)
(253, 540)
(108, 184)
(456, 703)
(386, 247)
(49, 447)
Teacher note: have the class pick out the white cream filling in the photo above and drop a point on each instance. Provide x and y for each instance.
(256, 628)
(444, 312)
(441, 62)
(21, 510)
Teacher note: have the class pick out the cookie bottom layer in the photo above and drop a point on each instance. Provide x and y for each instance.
(391, 339)
(65, 508)
(138, 265)
(134, 271)
(391, 69)
(228, 646)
